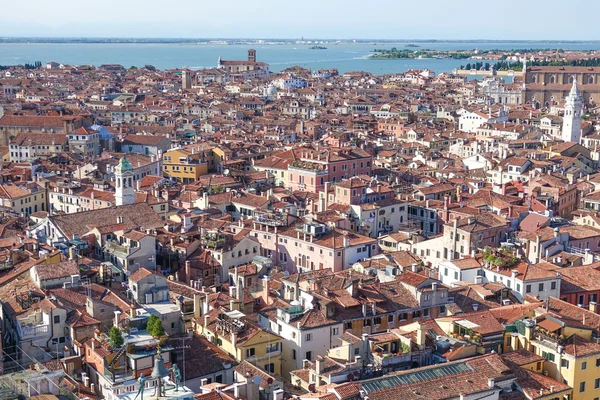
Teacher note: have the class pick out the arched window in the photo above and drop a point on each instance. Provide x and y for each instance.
(535, 79)
(552, 79)
(571, 79)
(591, 80)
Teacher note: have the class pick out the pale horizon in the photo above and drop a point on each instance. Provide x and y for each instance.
(512, 20)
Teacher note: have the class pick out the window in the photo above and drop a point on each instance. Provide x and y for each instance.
(293, 354)
(270, 367)
(335, 331)
(391, 318)
(597, 383)
(456, 275)
(445, 271)
(57, 319)
(308, 337)
(250, 352)
(527, 288)
(309, 355)
(564, 363)
(541, 287)
(553, 285)
(597, 362)
(584, 365)
(273, 348)
(548, 356)
(582, 387)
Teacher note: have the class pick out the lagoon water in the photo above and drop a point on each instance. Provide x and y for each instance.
(344, 57)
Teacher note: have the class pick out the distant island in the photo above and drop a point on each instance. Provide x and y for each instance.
(411, 45)
(318, 48)
(400, 54)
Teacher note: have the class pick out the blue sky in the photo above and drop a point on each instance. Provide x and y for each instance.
(344, 19)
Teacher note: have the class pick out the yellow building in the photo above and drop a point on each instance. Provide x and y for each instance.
(23, 200)
(276, 166)
(184, 165)
(241, 339)
(221, 155)
(570, 354)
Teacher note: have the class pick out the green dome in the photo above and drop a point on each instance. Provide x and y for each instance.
(123, 165)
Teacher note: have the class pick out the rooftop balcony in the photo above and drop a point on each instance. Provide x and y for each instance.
(387, 359)
(289, 313)
(28, 332)
(303, 166)
(114, 247)
(551, 338)
(270, 219)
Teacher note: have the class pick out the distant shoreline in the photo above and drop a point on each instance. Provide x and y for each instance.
(270, 41)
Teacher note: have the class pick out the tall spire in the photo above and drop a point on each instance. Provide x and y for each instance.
(574, 89)
(571, 129)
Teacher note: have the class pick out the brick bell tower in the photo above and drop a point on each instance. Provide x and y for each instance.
(252, 55)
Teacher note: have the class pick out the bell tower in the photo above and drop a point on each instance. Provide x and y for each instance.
(252, 55)
(124, 193)
(571, 129)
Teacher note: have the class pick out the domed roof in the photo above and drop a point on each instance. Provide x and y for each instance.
(103, 132)
(123, 165)
(271, 90)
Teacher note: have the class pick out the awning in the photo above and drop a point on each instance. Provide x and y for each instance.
(467, 324)
(548, 325)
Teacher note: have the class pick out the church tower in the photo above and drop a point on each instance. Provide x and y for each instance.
(124, 193)
(571, 129)
(252, 55)
(186, 79)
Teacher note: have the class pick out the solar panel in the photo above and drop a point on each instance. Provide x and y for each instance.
(414, 377)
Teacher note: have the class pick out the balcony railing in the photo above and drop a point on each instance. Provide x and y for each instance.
(119, 376)
(271, 219)
(32, 331)
(387, 359)
(554, 338)
(113, 247)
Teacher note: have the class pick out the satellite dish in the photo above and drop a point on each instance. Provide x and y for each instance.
(226, 172)
(257, 380)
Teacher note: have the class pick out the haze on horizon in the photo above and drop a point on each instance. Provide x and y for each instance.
(334, 19)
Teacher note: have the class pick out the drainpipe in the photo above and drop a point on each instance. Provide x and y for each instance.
(51, 330)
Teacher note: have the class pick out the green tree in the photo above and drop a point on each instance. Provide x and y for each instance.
(116, 338)
(155, 326)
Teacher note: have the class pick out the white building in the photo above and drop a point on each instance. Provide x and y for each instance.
(301, 342)
(470, 121)
(290, 83)
(523, 279)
